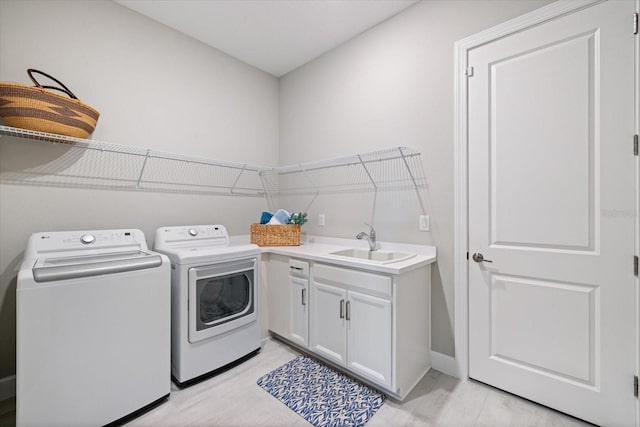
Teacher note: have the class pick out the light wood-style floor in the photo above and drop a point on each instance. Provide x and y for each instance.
(234, 399)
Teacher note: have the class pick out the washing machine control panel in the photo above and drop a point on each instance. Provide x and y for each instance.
(87, 239)
(72, 240)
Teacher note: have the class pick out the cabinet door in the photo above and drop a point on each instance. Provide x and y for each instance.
(299, 313)
(278, 294)
(369, 337)
(328, 328)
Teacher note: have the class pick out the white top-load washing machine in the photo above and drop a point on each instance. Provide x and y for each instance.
(215, 320)
(93, 328)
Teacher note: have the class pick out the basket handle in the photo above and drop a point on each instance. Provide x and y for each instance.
(64, 89)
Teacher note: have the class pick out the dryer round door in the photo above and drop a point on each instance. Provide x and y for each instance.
(222, 297)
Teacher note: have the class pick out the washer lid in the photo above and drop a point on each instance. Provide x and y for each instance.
(74, 267)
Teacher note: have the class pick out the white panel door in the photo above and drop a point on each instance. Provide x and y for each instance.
(298, 311)
(328, 333)
(369, 336)
(551, 166)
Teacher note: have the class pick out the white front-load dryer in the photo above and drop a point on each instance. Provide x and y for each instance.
(215, 319)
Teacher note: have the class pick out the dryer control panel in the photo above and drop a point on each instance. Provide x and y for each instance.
(191, 235)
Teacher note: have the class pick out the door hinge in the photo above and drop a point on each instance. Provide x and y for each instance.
(469, 72)
(635, 145)
(635, 385)
(635, 23)
(635, 265)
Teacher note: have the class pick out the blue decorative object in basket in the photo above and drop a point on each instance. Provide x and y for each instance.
(265, 217)
(321, 395)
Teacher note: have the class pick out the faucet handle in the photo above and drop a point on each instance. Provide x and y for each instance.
(372, 232)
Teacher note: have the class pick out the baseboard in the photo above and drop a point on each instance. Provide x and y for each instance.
(443, 363)
(7, 387)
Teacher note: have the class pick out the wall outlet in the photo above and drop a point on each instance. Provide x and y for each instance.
(321, 220)
(423, 223)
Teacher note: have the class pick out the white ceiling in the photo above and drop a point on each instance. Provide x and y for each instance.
(276, 36)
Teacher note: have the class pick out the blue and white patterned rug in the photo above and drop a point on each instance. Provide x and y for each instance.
(321, 395)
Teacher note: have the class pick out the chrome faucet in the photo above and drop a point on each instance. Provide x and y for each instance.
(371, 237)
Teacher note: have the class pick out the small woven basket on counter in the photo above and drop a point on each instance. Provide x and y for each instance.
(37, 108)
(275, 235)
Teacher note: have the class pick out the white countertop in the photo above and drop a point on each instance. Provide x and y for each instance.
(318, 248)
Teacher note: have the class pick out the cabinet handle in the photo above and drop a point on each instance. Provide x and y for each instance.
(303, 292)
(342, 309)
(295, 268)
(348, 310)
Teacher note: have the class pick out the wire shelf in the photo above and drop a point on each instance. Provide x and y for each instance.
(77, 162)
(397, 168)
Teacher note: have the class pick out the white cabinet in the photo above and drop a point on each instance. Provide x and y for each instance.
(375, 326)
(298, 302)
(288, 298)
(328, 325)
(369, 336)
(350, 327)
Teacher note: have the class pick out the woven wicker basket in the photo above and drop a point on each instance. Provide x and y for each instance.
(275, 235)
(36, 108)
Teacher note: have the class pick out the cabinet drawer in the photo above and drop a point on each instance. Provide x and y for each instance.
(298, 268)
(370, 283)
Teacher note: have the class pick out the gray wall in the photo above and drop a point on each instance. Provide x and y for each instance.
(391, 86)
(154, 88)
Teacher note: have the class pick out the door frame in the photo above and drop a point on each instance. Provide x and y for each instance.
(461, 224)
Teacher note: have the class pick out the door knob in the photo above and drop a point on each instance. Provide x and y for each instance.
(478, 257)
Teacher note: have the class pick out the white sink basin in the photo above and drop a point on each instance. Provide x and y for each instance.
(377, 257)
